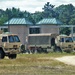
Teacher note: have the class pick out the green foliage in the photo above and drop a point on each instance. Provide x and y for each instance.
(72, 21)
(28, 16)
(65, 13)
(37, 16)
(67, 16)
(48, 10)
(65, 30)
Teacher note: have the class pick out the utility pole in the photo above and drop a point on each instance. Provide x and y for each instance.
(72, 31)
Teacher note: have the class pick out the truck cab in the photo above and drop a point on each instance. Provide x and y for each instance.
(65, 43)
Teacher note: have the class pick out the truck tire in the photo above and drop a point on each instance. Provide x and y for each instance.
(12, 56)
(68, 51)
(58, 49)
(2, 55)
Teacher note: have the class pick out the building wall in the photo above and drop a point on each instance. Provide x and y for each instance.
(21, 30)
(49, 29)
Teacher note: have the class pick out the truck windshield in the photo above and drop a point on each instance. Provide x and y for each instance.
(16, 38)
(61, 39)
(13, 38)
(68, 39)
(74, 38)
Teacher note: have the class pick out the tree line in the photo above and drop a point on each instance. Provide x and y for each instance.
(65, 13)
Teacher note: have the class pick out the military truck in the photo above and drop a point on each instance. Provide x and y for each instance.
(64, 43)
(10, 45)
(50, 42)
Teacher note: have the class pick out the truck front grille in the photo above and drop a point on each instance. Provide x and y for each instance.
(14, 46)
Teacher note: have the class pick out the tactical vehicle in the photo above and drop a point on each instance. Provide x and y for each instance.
(50, 43)
(64, 43)
(10, 45)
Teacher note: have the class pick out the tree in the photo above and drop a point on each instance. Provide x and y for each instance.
(37, 16)
(3, 17)
(65, 12)
(67, 16)
(65, 30)
(48, 10)
(28, 16)
(8, 12)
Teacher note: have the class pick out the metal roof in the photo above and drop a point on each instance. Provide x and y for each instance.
(50, 21)
(18, 21)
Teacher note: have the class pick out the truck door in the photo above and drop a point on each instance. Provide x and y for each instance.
(61, 43)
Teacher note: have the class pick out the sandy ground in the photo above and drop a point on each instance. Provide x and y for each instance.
(70, 60)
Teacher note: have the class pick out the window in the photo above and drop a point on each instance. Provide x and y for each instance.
(11, 39)
(34, 30)
(74, 38)
(62, 40)
(68, 39)
(14, 38)
(4, 39)
(4, 29)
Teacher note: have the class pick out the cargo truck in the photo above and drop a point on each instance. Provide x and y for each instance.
(50, 43)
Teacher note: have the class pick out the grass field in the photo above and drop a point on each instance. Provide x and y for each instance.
(36, 64)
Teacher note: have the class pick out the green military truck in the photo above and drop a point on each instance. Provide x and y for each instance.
(50, 43)
(10, 45)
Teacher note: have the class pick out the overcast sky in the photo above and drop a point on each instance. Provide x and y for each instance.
(32, 5)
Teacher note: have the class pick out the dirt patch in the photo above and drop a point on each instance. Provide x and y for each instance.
(70, 60)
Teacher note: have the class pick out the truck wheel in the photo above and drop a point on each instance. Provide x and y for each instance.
(68, 51)
(58, 49)
(2, 55)
(12, 56)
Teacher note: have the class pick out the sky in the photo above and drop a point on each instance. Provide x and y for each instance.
(32, 5)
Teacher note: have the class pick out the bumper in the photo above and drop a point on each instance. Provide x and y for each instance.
(12, 51)
(67, 49)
